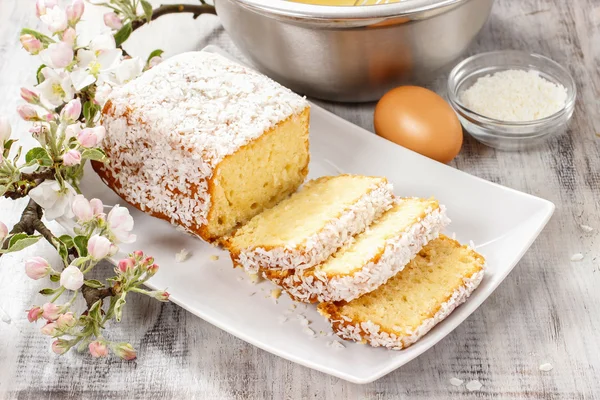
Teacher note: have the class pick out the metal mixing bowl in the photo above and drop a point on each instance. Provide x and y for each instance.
(352, 54)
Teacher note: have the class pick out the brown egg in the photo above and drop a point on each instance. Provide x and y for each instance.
(420, 120)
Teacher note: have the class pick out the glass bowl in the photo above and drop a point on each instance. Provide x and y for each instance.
(508, 135)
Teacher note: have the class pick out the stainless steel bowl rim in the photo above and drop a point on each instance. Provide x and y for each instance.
(474, 116)
(406, 8)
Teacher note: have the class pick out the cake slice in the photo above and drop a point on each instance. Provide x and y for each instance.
(309, 226)
(371, 258)
(399, 313)
(204, 143)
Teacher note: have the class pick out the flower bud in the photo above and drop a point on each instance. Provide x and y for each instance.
(30, 96)
(58, 55)
(41, 5)
(126, 264)
(60, 346)
(97, 206)
(125, 351)
(90, 137)
(98, 349)
(113, 21)
(51, 311)
(49, 329)
(75, 11)
(154, 61)
(66, 321)
(27, 112)
(69, 36)
(138, 254)
(31, 44)
(55, 19)
(99, 247)
(5, 130)
(161, 295)
(34, 313)
(148, 261)
(72, 157)
(71, 111)
(37, 268)
(82, 208)
(153, 269)
(71, 278)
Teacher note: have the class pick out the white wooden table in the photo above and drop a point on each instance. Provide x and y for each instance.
(547, 310)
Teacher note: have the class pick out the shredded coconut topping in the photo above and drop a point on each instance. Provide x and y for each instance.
(456, 382)
(577, 257)
(308, 286)
(321, 245)
(546, 367)
(182, 255)
(168, 129)
(473, 385)
(586, 228)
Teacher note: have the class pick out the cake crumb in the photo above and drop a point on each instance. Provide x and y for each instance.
(456, 381)
(214, 258)
(577, 257)
(545, 367)
(275, 293)
(282, 319)
(304, 322)
(308, 331)
(336, 345)
(472, 244)
(5, 317)
(253, 278)
(292, 306)
(586, 228)
(182, 255)
(240, 278)
(473, 385)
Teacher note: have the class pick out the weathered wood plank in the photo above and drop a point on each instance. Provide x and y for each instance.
(545, 311)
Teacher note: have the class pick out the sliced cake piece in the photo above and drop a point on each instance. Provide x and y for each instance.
(371, 258)
(305, 229)
(400, 312)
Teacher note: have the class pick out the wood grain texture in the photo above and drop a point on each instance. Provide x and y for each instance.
(545, 311)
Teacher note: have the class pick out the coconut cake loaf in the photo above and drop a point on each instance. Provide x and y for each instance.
(369, 260)
(204, 143)
(440, 278)
(306, 228)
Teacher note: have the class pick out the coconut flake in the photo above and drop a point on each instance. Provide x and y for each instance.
(586, 228)
(545, 367)
(214, 257)
(334, 344)
(308, 331)
(282, 319)
(182, 255)
(456, 381)
(473, 385)
(275, 293)
(577, 257)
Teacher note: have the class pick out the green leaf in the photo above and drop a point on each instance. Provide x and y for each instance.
(95, 311)
(93, 283)
(48, 291)
(155, 53)
(63, 251)
(19, 241)
(7, 145)
(119, 304)
(123, 34)
(54, 278)
(38, 35)
(39, 76)
(94, 154)
(80, 243)
(147, 7)
(3, 189)
(38, 155)
(89, 111)
(67, 240)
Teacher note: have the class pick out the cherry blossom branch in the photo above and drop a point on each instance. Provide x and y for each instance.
(165, 9)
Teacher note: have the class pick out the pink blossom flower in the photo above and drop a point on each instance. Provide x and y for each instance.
(97, 206)
(60, 346)
(55, 18)
(29, 96)
(125, 351)
(71, 278)
(49, 329)
(113, 21)
(72, 110)
(3, 231)
(161, 295)
(99, 247)
(51, 311)
(72, 157)
(5, 129)
(120, 224)
(154, 61)
(72, 130)
(57, 55)
(37, 268)
(69, 36)
(98, 349)
(27, 112)
(126, 264)
(42, 5)
(148, 261)
(152, 269)
(34, 313)
(75, 11)
(91, 137)
(31, 44)
(65, 321)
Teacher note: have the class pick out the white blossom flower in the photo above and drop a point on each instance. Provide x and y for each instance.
(56, 19)
(99, 247)
(94, 64)
(71, 278)
(72, 130)
(120, 224)
(55, 202)
(127, 70)
(57, 55)
(56, 88)
(5, 129)
(82, 208)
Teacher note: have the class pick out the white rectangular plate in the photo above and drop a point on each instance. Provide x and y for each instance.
(502, 223)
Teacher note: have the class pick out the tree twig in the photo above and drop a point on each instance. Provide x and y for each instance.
(92, 295)
(35, 176)
(165, 9)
